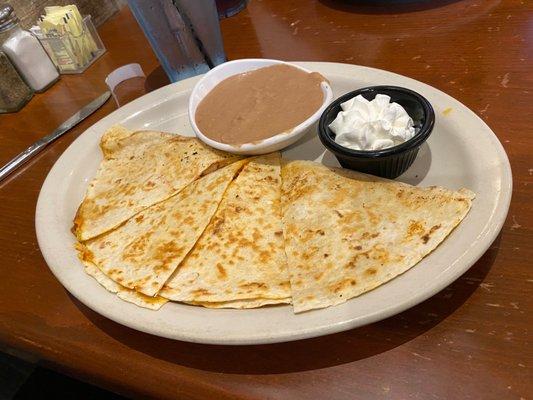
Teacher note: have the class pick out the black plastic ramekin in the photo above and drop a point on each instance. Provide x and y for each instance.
(390, 162)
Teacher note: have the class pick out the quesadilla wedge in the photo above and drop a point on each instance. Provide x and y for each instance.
(143, 253)
(347, 233)
(240, 255)
(241, 304)
(129, 295)
(140, 169)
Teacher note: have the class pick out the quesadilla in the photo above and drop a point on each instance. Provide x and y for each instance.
(239, 260)
(143, 253)
(140, 169)
(129, 295)
(241, 304)
(347, 233)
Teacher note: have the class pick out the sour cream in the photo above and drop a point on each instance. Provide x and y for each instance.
(372, 125)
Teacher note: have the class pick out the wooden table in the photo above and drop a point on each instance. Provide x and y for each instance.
(472, 340)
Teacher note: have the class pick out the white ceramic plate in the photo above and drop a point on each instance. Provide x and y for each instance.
(461, 152)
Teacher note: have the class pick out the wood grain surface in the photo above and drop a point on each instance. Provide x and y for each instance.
(470, 341)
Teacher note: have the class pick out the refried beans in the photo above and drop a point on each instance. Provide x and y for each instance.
(259, 104)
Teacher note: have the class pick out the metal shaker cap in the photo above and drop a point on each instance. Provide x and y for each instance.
(8, 18)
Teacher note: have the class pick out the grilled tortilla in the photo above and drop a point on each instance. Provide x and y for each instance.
(241, 304)
(129, 295)
(142, 253)
(239, 259)
(347, 233)
(140, 169)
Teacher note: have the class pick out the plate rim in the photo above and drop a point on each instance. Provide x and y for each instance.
(162, 95)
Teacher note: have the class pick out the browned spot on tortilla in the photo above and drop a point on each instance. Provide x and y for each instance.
(326, 255)
(338, 213)
(127, 189)
(257, 235)
(270, 179)
(166, 252)
(298, 187)
(221, 271)
(264, 256)
(200, 292)
(198, 247)
(427, 236)
(217, 225)
(253, 285)
(285, 285)
(150, 299)
(379, 253)
(373, 217)
(368, 235)
(371, 271)
(212, 246)
(353, 261)
(86, 254)
(292, 230)
(136, 248)
(139, 218)
(278, 233)
(337, 287)
(415, 228)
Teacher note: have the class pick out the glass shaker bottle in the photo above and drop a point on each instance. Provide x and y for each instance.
(25, 52)
(14, 93)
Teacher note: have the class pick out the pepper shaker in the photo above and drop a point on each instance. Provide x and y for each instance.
(14, 93)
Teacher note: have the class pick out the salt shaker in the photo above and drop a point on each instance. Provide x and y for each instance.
(25, 51)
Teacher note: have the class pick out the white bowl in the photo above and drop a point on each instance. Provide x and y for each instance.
(277, 142)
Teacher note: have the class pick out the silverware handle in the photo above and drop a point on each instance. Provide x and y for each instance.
(64, 127)
(22, 158)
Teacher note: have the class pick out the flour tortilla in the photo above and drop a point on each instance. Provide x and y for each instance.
(240, 255)
(347, 233)
(156, 302)
(140, 169)
(241, 304)
(129, 295)
(143, 253)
